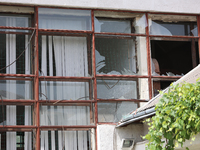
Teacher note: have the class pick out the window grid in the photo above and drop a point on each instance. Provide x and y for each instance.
(94, 77)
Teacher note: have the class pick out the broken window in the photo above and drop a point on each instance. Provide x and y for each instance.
(119, 22)
(118, 53)
(114, 111)
(115, 56)
(172, 56)
(173, 25)
(122, 89)
(175, 58)
(116, 89)
(55, 70)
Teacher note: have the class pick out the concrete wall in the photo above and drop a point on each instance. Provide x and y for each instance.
(192, 145)
(110, 138)
(177, 6)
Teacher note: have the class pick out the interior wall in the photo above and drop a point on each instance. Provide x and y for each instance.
(176, 6)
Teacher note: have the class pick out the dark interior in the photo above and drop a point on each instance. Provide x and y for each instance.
(174, 56)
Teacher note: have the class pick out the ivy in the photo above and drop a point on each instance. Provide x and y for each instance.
(177, 117)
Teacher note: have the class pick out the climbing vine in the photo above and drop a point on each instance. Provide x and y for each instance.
(177, 117)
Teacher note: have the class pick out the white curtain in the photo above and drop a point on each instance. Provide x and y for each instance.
(28, 138)
(11, 85)
(70, 55)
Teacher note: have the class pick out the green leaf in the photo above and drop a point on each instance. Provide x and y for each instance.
(180, 140)
(177, 117)
(193, 138)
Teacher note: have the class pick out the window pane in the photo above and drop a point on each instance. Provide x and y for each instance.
(15, 46)
(112, 25)
(173, 25)
(16, 89)
(59, 90)
(15, 21)
(122, 89)
(116, 89)
(68, 19)
(15, 115)
(119, 22)
(66, 115)
(121, 56)
(65, 139)
(65, 55)
(114, 112)
(16, 140)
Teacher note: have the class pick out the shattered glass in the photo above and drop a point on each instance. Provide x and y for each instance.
(173, 25)
(113, 112)
(116, 89)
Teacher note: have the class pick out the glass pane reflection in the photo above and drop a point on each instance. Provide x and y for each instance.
(67, 19)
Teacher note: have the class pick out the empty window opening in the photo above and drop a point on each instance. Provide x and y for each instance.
(175, 57)
(160, 85)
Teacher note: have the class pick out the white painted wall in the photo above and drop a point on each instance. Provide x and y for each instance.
(179, 6)
(110, 138)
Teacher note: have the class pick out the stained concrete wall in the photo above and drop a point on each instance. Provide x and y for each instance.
(192, 145)
(177, 6)
(110, 137)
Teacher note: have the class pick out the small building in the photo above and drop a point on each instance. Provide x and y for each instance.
(70, 70)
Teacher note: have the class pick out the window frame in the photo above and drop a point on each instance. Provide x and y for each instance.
(36, 127)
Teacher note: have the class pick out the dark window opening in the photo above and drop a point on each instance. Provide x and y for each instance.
(2, 52)
(175, 57)
(20, 46)
(3, 140)
(3, 115)
(160, 85)
(20, 141)
(20, 115)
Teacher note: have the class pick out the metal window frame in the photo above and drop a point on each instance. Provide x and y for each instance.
(94, 100)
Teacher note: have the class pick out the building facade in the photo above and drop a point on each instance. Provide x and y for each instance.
(71, 70)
